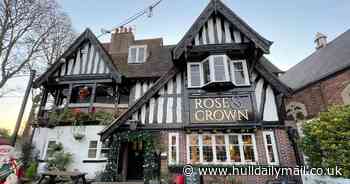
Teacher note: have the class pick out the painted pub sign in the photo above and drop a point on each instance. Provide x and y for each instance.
(223, 109)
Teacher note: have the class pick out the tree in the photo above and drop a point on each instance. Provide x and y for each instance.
(326, 140)
(4, 133)
(30, 31)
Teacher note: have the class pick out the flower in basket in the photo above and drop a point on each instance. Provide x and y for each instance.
(76, 113)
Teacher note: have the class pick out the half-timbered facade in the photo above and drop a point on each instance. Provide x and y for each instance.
(212, 99)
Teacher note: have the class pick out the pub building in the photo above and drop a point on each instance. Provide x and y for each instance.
(213, 99)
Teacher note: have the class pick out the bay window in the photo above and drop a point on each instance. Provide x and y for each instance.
(270, 147)
(221, 148)
(215, 68)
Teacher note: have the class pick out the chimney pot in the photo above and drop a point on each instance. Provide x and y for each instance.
(121, 39)
(320, 40)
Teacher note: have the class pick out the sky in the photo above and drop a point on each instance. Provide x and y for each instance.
(291, 25)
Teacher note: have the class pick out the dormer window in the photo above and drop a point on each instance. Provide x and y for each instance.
(137, 54)
(215, 69)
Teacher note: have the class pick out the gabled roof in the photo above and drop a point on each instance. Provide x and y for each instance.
(332, 58)
(270, 66)
(216, 6)
(87, 35)
(139, 103)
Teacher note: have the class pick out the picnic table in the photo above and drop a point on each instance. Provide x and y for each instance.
(52, 175)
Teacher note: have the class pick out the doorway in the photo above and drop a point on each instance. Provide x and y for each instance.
(135, 160)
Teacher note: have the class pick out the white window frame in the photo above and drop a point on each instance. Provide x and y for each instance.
(228, 159)
(245, 72)
(211, 70)
(171, 135)
(137, 54)
(189, 78)
(274, 147)
(98, 150)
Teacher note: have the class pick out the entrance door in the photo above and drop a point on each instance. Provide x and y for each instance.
(135, 160)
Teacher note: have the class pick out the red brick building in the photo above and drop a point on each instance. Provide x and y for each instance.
(320, 80)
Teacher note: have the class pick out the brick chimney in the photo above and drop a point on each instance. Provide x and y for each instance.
(121, 39)
(320, 40)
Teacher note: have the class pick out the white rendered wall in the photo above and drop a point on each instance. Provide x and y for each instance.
(79, 149)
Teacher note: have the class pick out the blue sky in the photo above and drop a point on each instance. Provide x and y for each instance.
(291, 25)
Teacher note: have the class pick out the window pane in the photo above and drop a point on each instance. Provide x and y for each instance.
(233, 139)
(247, 139)
(270, 152)
(132, 56)
(123, 98)
(220, 148)
(219, 68)
(239, 77)
(104, 94)
(207, 148)
(238, 72)
(141, 55)
(81, 94)
(238, 66)
(220, 140)
(268, 139)
(206, 71)
(173, 140)
(92, 153)
(93, 144)
(207, 153)
(249, 153)
(221, 153)
(235, 154)
(195, 75)
(207, 140)
(173, 154)
(193, 140)
(194, 154)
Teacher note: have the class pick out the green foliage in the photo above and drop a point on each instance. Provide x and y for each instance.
(4, 133)
(151, 160)
(57, 116)
(326, 140)
(68, 115)
(31, 170)
(60, 160)
(27, 155)
(105, 118)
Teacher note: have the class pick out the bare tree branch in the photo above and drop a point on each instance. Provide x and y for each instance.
(32, 33)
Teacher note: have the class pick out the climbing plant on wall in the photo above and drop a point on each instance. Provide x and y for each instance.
(149, 142)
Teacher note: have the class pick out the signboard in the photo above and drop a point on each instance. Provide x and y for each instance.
(226, 109)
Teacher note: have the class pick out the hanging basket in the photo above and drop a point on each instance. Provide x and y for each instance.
(78, 132)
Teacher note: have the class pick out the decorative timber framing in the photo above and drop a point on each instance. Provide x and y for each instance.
(214, 7)
(105, 133)
(272, 79)
(86, 35)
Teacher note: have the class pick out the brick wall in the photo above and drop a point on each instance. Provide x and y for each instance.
(317, 97)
